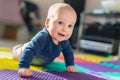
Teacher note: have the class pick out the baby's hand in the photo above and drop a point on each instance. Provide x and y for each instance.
(24, 72)
(71, 69)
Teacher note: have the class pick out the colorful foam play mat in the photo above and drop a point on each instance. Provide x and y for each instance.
(89, 66)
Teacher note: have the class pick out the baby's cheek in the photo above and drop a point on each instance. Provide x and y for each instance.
(68, 37)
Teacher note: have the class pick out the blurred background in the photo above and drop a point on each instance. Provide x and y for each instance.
(97, 27)
(12, 25)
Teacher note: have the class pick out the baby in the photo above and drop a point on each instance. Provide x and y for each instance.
(48, 43)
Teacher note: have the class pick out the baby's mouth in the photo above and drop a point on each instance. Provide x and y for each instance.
(61, 34)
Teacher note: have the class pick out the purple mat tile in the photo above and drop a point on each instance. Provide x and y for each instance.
(97, 67)
(12, 75)
(80, 76)
(42, 75)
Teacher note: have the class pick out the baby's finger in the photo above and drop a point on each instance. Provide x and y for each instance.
(20, 74)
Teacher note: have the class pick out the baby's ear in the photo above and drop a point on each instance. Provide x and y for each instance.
(47, 22)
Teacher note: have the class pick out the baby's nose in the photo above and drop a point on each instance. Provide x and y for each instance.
(64, 29)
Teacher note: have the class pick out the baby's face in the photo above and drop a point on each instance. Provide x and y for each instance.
(61, 25)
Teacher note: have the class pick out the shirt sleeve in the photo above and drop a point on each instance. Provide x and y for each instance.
(68, 54)
(34, 47)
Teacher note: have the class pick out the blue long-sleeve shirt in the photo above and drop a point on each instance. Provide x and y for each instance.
(43, 48)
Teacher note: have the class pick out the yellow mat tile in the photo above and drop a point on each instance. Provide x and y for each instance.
(13, 65)
(5, 49)
(4, 54)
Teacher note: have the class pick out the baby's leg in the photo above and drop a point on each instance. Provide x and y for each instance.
(17, 51)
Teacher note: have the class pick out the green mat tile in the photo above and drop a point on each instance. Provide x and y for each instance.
(112, 75)
(60, 66)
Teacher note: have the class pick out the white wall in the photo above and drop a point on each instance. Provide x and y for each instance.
(9, 11)
(93, 4)
(44, 5)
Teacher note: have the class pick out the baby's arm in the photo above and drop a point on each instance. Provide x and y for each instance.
(24, 72)
(71, 69)
(69, 57)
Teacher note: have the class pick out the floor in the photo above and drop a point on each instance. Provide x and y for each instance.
(92, 66)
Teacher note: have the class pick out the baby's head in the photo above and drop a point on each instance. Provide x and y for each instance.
(60, 21)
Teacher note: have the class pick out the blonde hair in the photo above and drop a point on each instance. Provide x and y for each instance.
(58, 7)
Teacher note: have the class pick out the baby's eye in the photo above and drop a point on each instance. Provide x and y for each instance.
(70, 26)
(60, 22)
